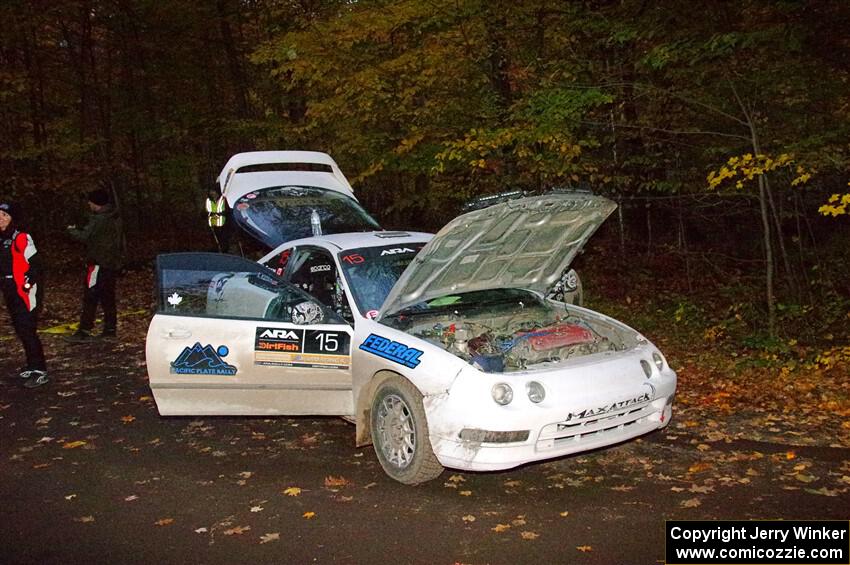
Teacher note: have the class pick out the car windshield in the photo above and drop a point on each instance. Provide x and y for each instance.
(371, 272)
(279, 214)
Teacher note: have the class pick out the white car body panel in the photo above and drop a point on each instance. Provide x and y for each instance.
(235, 185)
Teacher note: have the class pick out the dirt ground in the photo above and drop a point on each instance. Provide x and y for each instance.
(91, 472)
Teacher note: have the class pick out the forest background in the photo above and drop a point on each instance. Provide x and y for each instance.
(720, 129)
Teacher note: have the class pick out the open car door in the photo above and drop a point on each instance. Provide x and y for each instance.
(231, 338)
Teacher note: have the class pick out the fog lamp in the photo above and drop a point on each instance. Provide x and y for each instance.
(502, 393)
(536, 392)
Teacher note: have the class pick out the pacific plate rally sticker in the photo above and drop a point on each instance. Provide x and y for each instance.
(203, 360)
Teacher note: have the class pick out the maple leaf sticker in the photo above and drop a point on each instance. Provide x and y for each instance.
(175, 299)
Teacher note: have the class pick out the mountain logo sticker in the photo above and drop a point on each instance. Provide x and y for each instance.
(203, 360)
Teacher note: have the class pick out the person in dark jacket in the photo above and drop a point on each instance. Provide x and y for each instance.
(104, 240)
(20, 280)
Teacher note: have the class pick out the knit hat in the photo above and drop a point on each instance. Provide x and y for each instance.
(9, 208)
(99, 197)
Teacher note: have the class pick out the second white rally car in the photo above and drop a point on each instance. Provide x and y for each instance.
(444, 351)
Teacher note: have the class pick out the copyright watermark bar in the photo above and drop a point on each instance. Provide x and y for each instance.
(761, 542)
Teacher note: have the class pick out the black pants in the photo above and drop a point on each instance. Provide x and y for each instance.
(99, 288)
(25, 323)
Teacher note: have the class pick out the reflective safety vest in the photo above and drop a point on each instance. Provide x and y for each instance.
(216, 212)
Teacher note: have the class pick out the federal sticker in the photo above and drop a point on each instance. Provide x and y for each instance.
(294, 347)
(393, 350)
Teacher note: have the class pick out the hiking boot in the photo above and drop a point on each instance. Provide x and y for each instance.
(80, 336)
(37, 378)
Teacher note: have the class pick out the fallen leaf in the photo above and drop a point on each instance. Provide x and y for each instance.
(823, 491)
(256, 509)
(246, 474)
(701, 489)
(805, 478)
(237, 531)
(266, 538)
(308, 515)
(518, 522)
(43, 421)
(790, 455)
(84, 519)
(145, 398)
(292, 491)
(457, 479)
(335, 482)
(500, 527)
(691, 503)
(529, 535)
(73, 444)
(697, 467)
(465, 493)
(70, 496)
(131, 498)
(584, 548)
(512, 484)
(565, 513)
(468, 518)
(127, 419)
(201, 531)
(164, 521)
(623, 488)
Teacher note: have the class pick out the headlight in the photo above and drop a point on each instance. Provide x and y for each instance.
(647, 369)
(536, 392)
(502, 393)
(658, 360)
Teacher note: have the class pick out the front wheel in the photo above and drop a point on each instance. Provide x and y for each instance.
(400, 433)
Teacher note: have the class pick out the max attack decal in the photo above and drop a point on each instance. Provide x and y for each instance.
(588, 412)
(392, 350)
(203, 360)
(286, 347)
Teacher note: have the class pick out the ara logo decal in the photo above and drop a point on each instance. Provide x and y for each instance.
(392, 350)
(280, 334)
(203, 360)
(397, 250)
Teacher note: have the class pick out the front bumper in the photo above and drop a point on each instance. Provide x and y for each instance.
(588, 405)
(550, 441)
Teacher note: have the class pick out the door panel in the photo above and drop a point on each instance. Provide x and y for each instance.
(231, 338)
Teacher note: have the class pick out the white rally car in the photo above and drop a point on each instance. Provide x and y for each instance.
(456, 358)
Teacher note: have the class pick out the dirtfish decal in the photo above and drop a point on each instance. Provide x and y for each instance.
(392, 350)
(203, 360)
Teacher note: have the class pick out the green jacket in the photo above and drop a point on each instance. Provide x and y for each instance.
(103, 236)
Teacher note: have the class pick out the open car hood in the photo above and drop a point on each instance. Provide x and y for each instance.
(525, 243)
(273, 194)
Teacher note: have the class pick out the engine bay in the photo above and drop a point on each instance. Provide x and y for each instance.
(520, 333)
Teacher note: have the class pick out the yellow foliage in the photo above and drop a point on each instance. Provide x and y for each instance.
(747, 167)
(836, 205)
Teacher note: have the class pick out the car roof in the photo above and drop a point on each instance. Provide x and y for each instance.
(237, 179)
(356, 240)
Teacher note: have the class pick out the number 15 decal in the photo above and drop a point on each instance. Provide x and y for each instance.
(322, 341)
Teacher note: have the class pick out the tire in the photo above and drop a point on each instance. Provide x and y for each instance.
(400, 433)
